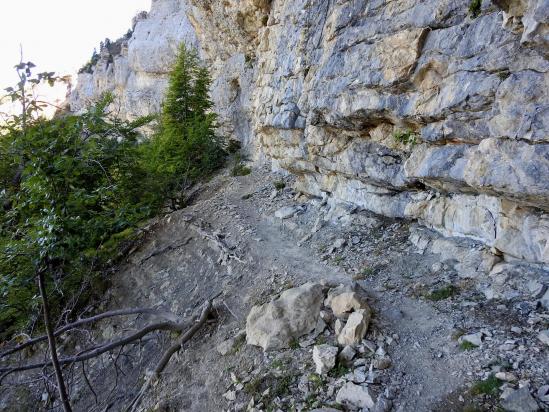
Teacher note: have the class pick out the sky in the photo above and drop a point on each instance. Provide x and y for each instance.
(59, 35)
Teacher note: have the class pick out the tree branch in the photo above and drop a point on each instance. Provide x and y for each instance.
(80, 322)
(170, 352)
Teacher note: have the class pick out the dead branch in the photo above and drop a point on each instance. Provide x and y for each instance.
(226, 252)
(80, 322)
(168, 248)
(167, 325)
(170, 352)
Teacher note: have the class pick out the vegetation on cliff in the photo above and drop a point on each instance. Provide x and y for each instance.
(76, 187)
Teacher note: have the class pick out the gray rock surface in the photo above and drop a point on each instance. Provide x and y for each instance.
(415, 110)
(520, 400)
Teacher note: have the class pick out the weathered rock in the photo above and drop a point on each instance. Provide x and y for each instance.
(231, 344)
(324, 357)
(343, 300)
(543, 336)
(295, 313)
(355, 396)
(355, 328)
(370, 104)
(520, 400)
(346, 355)
(286, 212)
(473, 338)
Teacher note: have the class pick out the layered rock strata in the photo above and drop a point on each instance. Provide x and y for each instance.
(428, 110)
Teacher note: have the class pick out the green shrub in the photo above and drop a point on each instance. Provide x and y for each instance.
(405, 136)
(489, 386)
(75, 188)
(185, 149)
(475, 8)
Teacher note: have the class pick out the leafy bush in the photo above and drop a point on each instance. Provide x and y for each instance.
(75, 188)
(475, 8)
(405, 136)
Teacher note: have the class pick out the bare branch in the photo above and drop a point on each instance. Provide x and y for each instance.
(170, 352)
(80, 322)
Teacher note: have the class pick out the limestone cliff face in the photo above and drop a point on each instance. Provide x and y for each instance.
(406, 108)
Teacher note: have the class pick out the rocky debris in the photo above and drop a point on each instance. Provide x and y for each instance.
(355, 396)
(295, 313)
(520, 400)
(356, 327)
(324, 357)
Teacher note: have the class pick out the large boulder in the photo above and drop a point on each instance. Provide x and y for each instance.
(295, 313)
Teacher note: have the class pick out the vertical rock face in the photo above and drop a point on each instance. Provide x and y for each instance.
(410, 108)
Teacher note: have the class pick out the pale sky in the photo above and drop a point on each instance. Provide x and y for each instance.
(59, 35)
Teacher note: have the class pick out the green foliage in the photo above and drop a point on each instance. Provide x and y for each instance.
(279, 184)
(443, 293)
(489, 386)
(185, 149)
(74, 189)
(466, 345)
(475, 8)
(405, 136)
(70, 199)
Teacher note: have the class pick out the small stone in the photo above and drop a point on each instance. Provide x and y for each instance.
(520, 400)
(356, 396)
(286, 212)
(507, 346)
(339, 243)
(516, 329)
(359, 375)
(544, 336)
(355, 328)
(506, 376)
(381, 363)
(473, 338)
(324, 357)
(355, 240)
(230, 395)
(347, 355)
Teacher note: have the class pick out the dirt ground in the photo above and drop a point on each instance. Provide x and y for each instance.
(177, 269)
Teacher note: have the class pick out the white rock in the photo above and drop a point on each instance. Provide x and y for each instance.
(343, 300)
(473, 338)
(295, 313)
(286, 212)
(324, 357)
(355, 328)
(544, 336)
(356, 396)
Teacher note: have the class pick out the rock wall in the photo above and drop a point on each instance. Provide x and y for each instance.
(426, 110)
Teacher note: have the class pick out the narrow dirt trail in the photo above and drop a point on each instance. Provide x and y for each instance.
(177, 268)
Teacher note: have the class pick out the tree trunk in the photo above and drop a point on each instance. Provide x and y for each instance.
(51, 341)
